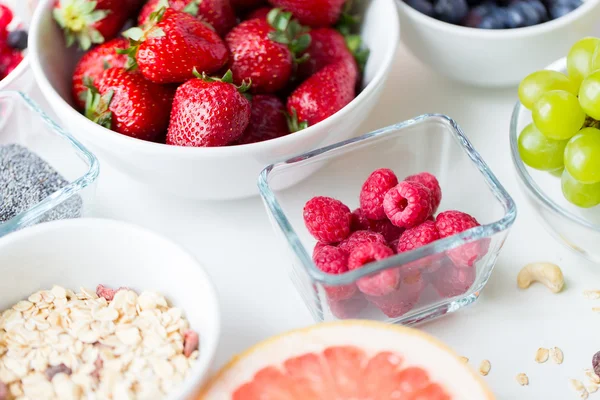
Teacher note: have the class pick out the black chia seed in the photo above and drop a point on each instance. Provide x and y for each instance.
(25, 180)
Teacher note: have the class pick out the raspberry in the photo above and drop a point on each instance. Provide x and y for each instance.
(418, 236)
(350, 308)
(3, 391)
(373, 191)
(450, 223)
(401, 301)
(380, 283)
(430, 182)
(450, 281)
(595, 363)
(408, 204)
(389, 231)
(318, 247)
(361, 237)
(333, 260)
(327, 219)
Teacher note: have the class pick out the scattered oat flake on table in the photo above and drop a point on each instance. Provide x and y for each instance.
(592, 376)
(578, 387)
(541, 355)
(464, 360)
(522, 379)
(591, 294)
(556, 355)
(592, 387)
(485, 367)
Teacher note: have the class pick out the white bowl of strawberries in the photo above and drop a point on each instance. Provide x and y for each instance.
(195, 103)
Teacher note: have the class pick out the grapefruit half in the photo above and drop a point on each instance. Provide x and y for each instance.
(348, 360)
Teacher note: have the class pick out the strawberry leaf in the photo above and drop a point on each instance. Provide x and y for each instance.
(192, 8)
(292, 121)
(289, 32)
(134, 33)
(360, 53)
(97, 107)
(77, 19)
(279, 19)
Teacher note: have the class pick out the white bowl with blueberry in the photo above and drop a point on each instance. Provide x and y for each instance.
(494, 43)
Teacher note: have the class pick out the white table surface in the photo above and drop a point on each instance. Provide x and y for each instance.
(236, 243)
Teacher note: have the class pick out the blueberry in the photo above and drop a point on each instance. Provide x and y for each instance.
(559, 10)
(539, 7)
(17, 40)
(494, 20)
(523, 14)
(452, 11)
(421, 5)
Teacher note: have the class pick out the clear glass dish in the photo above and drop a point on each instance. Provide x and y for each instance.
(23, 123)
(432, 143)
(577, 228)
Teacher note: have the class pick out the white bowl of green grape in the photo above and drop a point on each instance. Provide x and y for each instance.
(555, 146)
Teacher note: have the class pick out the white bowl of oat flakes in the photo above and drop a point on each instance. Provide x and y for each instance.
(149, 331)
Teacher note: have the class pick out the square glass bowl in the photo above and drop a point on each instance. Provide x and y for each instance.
(433, 280)
(23, 123)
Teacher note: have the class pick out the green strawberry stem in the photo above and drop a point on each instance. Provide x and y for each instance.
(97, 106)
(227, 78)
(137, 35)
(77, 18)
(289, 32)
(293, 124)
(346, 25)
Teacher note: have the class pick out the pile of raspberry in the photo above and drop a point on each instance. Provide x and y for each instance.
(393, 217)
(12, 43)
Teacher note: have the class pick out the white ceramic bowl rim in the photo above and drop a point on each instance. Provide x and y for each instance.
(201, 368)
(498, 33)
(390, 51)
(526, 178)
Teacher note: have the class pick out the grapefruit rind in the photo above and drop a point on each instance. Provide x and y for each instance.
(417, 349)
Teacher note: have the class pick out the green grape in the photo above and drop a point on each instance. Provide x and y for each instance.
(589, 95)
(539, 152)
(540, 82)
(579, 60)
(580, 194)
(558, 115)
(557, 172)
(595, 63)
(582, 156)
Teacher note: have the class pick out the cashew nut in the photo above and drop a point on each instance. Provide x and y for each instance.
(546, 273)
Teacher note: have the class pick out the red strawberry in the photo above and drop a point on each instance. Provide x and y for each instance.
(260, 13)
(314, 13)
(324, 93)
(169, 51)
(267, 120)
(128, 103)
(89, 22)
(218, 13)
(208, 112)
(94, 63)
(263, 50)
(328, 46)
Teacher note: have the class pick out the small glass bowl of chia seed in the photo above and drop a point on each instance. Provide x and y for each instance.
(45, 173)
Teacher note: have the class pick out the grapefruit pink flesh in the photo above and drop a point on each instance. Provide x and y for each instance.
(348, 360)
(341, 372)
